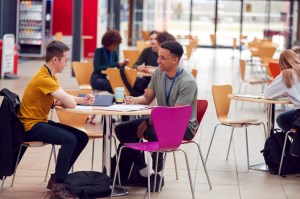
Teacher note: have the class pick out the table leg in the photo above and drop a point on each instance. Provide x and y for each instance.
(106, 158)
(270, 129)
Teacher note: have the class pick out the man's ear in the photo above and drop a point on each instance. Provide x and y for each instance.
(54, 59)
(175, 60)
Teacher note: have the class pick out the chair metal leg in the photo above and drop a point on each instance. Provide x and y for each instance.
(155, 172)
(18, 159)
(247, 147)
(163, 170)
(204, 166)
(175, 164)
(116, 171)
(131, 168)
(212, 138)
(116, 149)
(2, 184)
(283, 153)
(230, 143)
(189, 172)
(52, 151)
(149, 168)
(264, 126)
(93, 151)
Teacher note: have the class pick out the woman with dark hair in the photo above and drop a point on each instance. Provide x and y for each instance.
(106, 57)
(287, 84)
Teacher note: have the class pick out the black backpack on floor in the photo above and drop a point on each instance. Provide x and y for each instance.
(88, 184)
(272, 155)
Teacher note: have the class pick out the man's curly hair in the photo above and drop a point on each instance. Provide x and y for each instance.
(111, 37)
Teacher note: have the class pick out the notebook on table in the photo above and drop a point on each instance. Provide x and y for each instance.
(101, 100)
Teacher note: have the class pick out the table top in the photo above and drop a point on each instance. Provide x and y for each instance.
(259, 100)
(140, 74)
(98, 111)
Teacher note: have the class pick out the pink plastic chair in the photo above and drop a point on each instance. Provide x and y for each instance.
(201, 109)
(167, 121)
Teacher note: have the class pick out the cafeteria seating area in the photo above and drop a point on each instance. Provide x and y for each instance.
(231, 179)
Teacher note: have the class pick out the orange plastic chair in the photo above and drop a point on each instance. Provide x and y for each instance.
(83, 72)
(247, 82)
(78, 120)
(132, 55)
(115, 79)
(222, 105)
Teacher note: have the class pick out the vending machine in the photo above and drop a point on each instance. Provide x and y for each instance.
(34, 26)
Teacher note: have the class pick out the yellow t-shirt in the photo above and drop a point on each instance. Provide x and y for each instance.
(37, 100)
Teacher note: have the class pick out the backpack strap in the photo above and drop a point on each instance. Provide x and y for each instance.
(125, 81)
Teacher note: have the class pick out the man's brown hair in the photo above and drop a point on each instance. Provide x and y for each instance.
(55, 49)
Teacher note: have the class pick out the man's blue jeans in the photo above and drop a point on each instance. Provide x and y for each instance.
(72, 142)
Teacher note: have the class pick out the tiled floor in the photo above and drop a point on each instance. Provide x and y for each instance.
(230, 179)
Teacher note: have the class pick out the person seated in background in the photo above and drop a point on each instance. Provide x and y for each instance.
(147, 61)
(148, 58)
(35, 106)
(172, 86)
(287, 84)
(106, 57)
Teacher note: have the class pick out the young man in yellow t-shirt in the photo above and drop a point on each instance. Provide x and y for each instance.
(35, 106)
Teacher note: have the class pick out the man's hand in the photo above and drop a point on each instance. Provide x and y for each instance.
(141, 129)
(89, 99)
(129, 100)
(58, 103)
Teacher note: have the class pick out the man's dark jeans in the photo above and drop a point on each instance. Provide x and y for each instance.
(72, 142)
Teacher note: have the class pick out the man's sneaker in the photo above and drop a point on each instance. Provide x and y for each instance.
(158, 177)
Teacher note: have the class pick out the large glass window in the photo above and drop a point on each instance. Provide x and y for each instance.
(203, 20)
(268, 18)
(228, 23)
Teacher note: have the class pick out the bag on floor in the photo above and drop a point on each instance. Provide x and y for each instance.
(272, 155)
(88, 184)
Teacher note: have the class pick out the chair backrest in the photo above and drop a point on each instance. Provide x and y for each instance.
(141, 45)
(221, 100)
(194, 72)
(83, 72)
(213, 39)
(201, 109)
(115, 79)
(59, 36)
(145, 35)
(189, 50)
(132, 55)
(242, 69)
(266, 51)
(76, 120)
(170, 124)
(274, 69)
